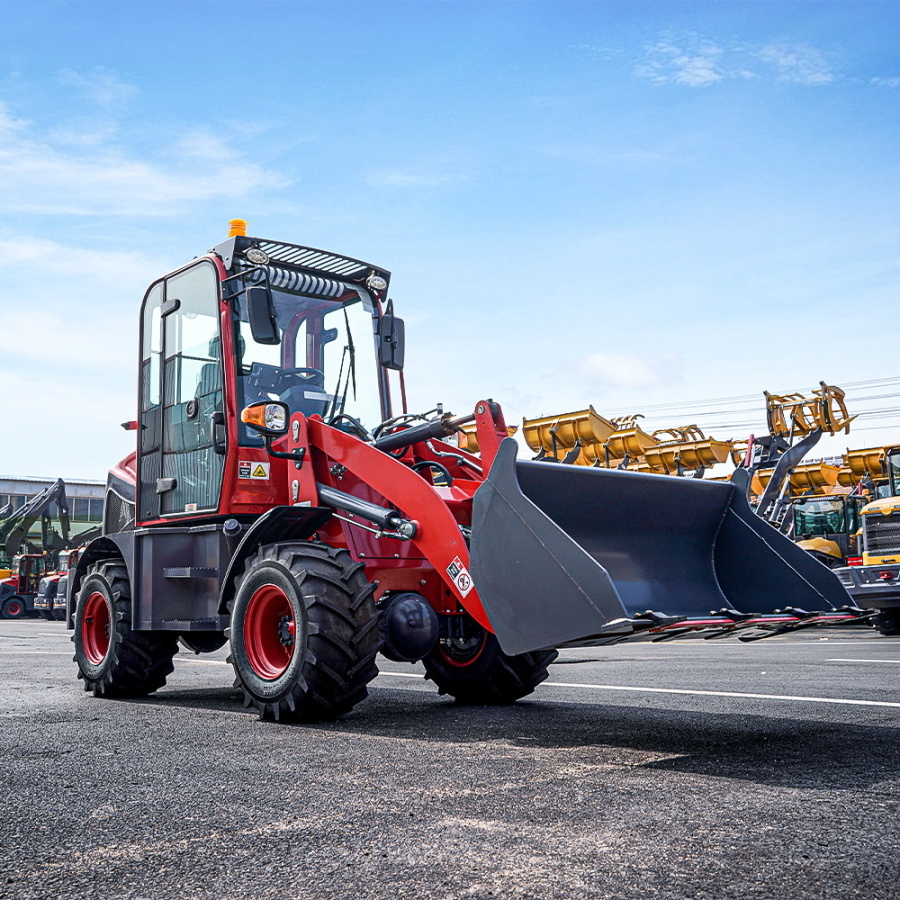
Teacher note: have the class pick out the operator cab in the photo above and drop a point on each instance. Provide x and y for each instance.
(251, 322)
(831, 515)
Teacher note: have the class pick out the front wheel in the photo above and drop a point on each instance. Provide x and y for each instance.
(13, 608)
(887, 622)
(113, 660)
(304, 632)
(472, 668)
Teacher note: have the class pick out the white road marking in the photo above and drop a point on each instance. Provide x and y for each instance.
(615, 687)
(651, 690)
(201, 662)
(836, 659)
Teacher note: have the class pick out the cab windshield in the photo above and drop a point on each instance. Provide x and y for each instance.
(325, 364)
(893, 461)
(820, 515)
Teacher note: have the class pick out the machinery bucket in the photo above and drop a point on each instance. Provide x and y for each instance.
(573, 555)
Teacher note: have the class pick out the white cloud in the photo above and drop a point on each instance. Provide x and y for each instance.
(47, 176)
(886, 82)
(617, 369)
(694, 61)
(100, 86)
(699, 65)
(598, 50)
(798, 63)
(70, 317)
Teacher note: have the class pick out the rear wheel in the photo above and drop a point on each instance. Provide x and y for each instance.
(113, 660)
(887, 622)
(473, 669)
(304, 632)
(13, 608)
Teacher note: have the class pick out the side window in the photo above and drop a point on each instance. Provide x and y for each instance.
(192, 393)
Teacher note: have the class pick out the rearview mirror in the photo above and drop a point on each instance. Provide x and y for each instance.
(261, 315)
(392, 334)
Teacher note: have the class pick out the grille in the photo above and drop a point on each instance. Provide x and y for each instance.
(882, 533)
(118, 514)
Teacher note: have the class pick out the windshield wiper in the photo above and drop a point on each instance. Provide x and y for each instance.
(337, 408)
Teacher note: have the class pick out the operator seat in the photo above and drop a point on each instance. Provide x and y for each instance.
(208, 393)
(209, 381)
(305, 393)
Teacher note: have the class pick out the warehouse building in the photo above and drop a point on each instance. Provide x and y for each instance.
(85, 498)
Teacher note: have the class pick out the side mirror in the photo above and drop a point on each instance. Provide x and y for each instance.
(261, 315)
(392, 335)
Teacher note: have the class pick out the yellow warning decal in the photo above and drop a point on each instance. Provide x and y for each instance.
(253, 470)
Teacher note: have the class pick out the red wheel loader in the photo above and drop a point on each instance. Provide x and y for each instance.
(280, 500)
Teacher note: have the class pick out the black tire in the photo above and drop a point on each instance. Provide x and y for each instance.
(304, 632)
(887, 622)
(113, 660)
(476, 672)
(13, 608)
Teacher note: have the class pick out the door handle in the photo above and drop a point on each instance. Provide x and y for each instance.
(216, 422)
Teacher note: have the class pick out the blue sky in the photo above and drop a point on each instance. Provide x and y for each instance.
(632, 205)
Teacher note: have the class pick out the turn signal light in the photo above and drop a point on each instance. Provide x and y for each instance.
(271, 418)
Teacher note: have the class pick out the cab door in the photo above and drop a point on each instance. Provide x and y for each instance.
(182, 443)
(31, 570)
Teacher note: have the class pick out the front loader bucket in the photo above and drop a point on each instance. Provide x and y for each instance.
(567, 555)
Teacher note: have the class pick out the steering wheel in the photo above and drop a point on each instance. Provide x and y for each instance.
(302, 376)
(262, 378)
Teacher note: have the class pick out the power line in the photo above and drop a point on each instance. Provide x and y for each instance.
(741, 398)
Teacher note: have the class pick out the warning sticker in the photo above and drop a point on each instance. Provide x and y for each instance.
(259, 470)
(461, 578)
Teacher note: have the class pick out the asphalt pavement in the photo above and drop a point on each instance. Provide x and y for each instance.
(693, 769)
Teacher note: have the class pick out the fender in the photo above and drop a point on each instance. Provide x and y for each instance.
(109, 546)
(281, 523)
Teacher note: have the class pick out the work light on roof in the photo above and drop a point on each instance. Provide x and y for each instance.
(256, 256)
(376, 283)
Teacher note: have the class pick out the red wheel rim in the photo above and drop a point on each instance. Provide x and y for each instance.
(15, 608)
(95, 628)
(461, 659)
(269, 632)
